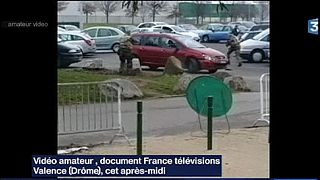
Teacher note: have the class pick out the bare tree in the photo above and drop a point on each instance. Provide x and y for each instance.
(205, 12)
(143, 12)
(236, 11)
(264, 10)
(135, 5)
(62, 5)
(131, 13)
(199, 10)
(108, 7)
(132, 8)
(243, 10)
(174, 13)
(156, 7)
(88, 8)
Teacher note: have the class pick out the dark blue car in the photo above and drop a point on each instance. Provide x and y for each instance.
(218, 34)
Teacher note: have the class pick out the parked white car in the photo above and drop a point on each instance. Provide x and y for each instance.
(81, 40)
(178, 30)
(257, 48)
(70, 28)
(61, 29)
(192, 28)
(145, 30)
(150, 24)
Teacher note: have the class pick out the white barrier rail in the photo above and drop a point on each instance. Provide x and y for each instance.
(89, 107)
(264, 99)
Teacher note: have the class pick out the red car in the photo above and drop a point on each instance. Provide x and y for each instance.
(153, 50)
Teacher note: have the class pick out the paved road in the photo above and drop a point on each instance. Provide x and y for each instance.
(170, 116)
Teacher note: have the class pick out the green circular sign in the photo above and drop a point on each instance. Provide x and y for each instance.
(203, 86)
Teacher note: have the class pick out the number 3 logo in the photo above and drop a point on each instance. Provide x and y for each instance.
(314, 26)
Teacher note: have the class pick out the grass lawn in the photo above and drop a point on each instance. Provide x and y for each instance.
(151, 84)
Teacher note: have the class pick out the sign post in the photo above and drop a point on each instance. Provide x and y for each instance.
(209, 97)
(209, 131)
(139, 128)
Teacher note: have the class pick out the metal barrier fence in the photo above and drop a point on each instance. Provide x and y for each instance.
(89, 107)
(264, 99)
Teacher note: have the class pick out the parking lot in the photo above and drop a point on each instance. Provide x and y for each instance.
(249, 71)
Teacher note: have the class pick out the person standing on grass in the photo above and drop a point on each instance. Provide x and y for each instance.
(125, 55)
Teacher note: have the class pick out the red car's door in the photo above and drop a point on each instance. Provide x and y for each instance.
(170, 47)
(150, 51)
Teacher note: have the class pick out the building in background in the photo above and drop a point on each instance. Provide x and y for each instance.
(195, 12)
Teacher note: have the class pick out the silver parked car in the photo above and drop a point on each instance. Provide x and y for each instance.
(106, 37)
(81, 40)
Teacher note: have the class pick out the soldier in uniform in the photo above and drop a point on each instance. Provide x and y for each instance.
(125, 55)
(233, 44)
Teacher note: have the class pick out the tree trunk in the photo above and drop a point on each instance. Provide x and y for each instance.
(249, 13)
(197, 20)
(262, 13)
(153, 15)
(175, 20)
(132, 19)
(86, 17)
(107, 16)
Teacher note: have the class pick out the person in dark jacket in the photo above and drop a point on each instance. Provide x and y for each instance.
(235, 31)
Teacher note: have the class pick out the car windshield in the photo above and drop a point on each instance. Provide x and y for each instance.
(242, 28)
(157, 30)
(259, 27)
(215, 26)
(178, 29)
(218, 28)
(61, 29)
(86, 35)
(161, 23)
(72, 28)
(190, 43)
(130, 27)
(248, 24)
(188, 27)
(261, 35)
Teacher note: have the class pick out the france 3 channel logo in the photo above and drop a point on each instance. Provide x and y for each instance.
(313, 26)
